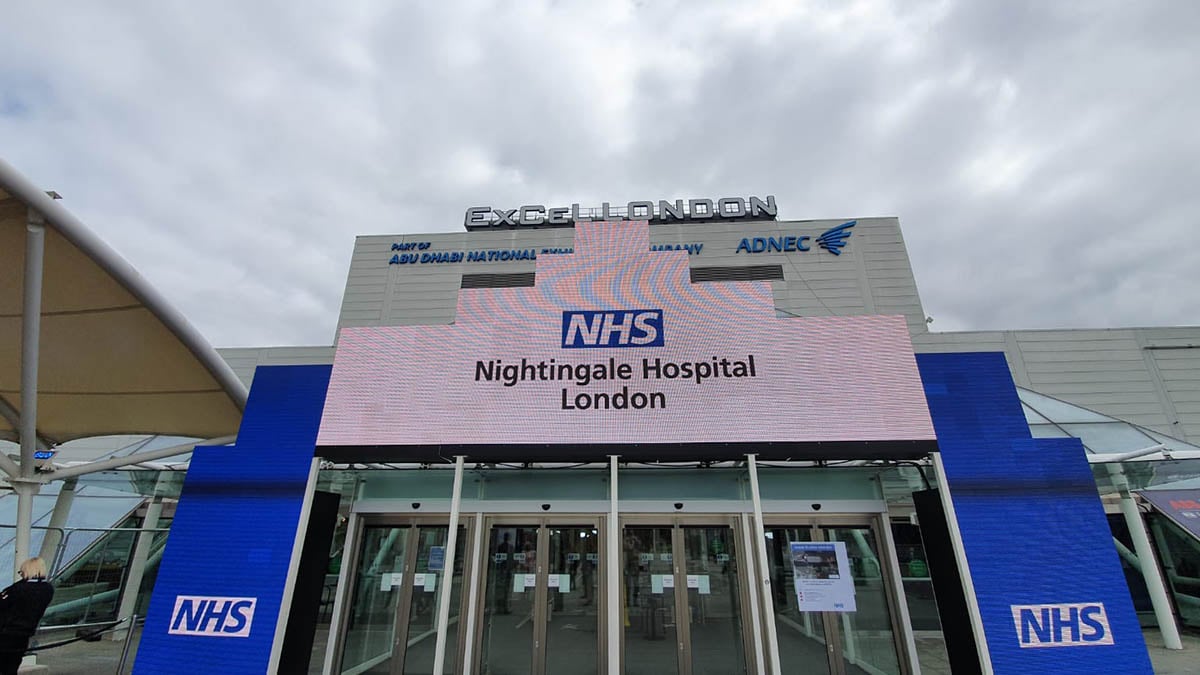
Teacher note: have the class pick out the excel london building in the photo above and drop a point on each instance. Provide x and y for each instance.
(682, 436)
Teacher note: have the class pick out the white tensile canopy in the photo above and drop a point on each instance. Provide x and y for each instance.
(111, 356)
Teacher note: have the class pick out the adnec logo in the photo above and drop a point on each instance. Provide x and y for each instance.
(833, 240)
(613, 328)
(212, 616)
(1080, 624)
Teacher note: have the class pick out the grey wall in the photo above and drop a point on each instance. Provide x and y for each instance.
(244, 360)
(1148, 376)
(871, 276)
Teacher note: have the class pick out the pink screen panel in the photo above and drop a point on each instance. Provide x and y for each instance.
(768, 379)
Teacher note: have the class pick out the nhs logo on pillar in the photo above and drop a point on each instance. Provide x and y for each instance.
(588, 329)
(1080, 624)
(212, 616)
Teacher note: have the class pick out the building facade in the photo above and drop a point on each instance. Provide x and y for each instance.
(762, 508)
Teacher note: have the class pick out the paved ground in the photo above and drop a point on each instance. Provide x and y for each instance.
(92, 658)
(1171, 661)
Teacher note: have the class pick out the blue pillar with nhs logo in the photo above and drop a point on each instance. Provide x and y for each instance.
(221, 591)
(1050, 590)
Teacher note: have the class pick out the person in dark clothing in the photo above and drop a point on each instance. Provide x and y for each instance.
(21, 609)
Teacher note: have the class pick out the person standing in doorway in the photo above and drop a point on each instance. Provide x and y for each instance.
(21, 608)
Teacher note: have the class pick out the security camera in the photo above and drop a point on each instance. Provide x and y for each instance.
(678, 506)
(816, 507)
(545, 507)
(416, 505)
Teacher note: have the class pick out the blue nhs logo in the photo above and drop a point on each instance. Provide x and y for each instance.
(212, 616)
(1080, 624)
(612, 328)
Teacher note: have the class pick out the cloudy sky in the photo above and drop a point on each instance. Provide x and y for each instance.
(1043, 157)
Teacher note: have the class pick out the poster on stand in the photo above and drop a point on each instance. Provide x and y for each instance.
(821, 571)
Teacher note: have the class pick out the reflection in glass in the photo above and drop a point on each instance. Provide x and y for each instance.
(648, 604)
(714, 607)
(572, 621)
(801, 635)
(421, 636)
(371, 624)
(868, 644)
(507, 647)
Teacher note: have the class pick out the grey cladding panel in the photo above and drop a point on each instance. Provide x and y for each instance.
(1103, 370)
(245, 360)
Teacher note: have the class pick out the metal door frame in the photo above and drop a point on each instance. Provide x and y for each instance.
(543, 523)
(412, 523)
(683, 628)
(830, 621)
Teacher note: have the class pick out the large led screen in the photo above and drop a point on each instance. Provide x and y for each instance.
(615, 345)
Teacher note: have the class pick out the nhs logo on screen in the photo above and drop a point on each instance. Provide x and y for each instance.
(1081, 624)
(612, 328)
(212, 616)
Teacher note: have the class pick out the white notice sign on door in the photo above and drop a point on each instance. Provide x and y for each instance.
(821, 573)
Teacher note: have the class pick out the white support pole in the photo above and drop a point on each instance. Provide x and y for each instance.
(31, 327)
(476, 554)
(964, 569)
(341, 596)
(443, 621)
(137, 565)
(755, 620)
(137, 458)
(1155, 583)
(613, 572)
(26, 490)
(764, 571)
(893, 563)
(58, 520)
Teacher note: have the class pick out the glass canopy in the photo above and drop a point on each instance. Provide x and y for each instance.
(1050, 417)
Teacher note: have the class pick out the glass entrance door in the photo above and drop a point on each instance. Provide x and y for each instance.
(430, 577)
(542, 598)
(836, 642)
(400, 577)
(682, 600)
(371, 623)
(803, 644)
(652, 642)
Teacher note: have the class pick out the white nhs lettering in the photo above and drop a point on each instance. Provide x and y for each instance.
(613, 328)
(212, 616)
(621, 329)
(1081, 624)
(578, 324)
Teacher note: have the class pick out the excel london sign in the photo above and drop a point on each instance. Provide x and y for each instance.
(663, 211)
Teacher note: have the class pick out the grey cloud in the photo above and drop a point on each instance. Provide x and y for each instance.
(1040, 156)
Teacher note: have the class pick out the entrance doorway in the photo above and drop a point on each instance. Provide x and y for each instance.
(683, 603)
(399, 577)
(863, 642)
(542, 597)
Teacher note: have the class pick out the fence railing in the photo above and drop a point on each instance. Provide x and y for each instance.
(90, 570)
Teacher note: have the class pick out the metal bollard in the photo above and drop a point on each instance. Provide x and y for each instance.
(128, 640)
